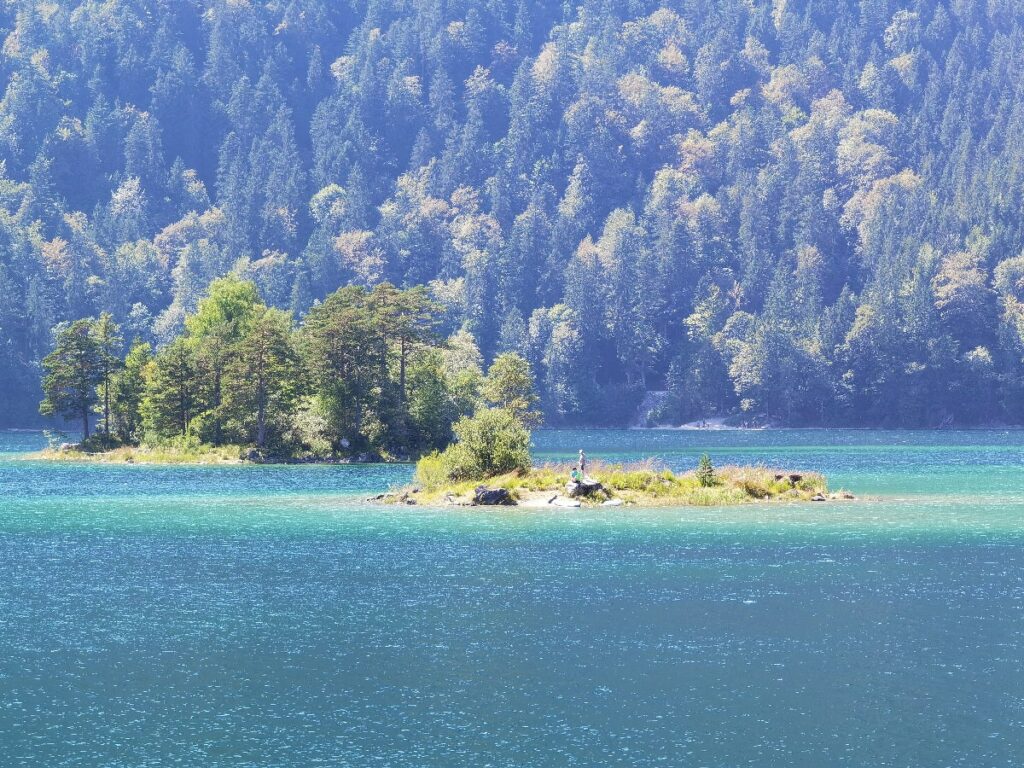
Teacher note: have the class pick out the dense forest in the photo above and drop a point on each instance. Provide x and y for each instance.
(807, 211)
(365, 376)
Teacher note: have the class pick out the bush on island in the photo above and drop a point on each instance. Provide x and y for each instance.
(491, 442)
(706, 472)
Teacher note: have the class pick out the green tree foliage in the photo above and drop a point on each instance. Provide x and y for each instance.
(432, 409)
(172, 398)
(128, 388)
(224, 317)
(342, 359)
(463, 368)
(773, 209)
(489, 443)
(705, 472)
(262, 382)
(107, 336)
(73, 371)
(229, 309)
(364, 373)
(509, 385)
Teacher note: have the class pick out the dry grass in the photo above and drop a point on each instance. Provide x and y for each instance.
(646, 483)
(160, 454)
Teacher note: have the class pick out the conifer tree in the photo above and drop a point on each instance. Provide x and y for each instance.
(509, 385)
(262, 381)
(73, 371)
(107, 336)
(128, 389)
(172, 397)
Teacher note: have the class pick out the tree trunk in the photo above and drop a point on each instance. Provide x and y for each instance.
(401, 368)
(261, 415)
(218, 435)
(183, 409)
(261, 428)
(106, 406)
(85, 423)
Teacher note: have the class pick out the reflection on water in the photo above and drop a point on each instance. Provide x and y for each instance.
(244, 616)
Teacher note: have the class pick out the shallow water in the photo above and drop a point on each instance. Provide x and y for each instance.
(244, 616)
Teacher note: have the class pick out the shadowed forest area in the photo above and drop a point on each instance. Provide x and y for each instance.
(803, 211)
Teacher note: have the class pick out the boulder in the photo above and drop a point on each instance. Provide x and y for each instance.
(818, 497)
(612, 503)
(585, 487)
(492, 497)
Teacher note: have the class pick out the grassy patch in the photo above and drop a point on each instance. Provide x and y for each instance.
(149, 454)
(644, 483)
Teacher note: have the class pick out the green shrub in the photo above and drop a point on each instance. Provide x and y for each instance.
(628, 480)
(430, 471)
(98, 443)
(491, 442)
(189, 444)
(705, 472)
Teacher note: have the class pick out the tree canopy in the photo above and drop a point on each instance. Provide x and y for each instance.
(807, 211)
(363, 374)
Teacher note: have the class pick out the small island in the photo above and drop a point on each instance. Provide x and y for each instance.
(365, 376)
(617, 485)
(489, 464)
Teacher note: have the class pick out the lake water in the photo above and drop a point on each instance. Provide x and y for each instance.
(268, 616)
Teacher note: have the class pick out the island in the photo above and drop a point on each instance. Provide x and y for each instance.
(365, 376)
(611, 485)
(489, 464)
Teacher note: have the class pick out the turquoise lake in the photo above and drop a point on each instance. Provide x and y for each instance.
(269, 616)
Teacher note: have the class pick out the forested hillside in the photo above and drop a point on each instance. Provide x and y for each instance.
(806, 210)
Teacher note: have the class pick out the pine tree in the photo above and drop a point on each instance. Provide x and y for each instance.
(172, 392)
(73, 371)
(509, 385)
(107, 336)
(128, 389)
(262, 382)
(706, 472)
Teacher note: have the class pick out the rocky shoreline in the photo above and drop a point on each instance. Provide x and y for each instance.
(613, 487)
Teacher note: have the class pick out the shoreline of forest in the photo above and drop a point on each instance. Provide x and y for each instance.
(688, 428)
(235, 455)
(488, 463)
(207, 456)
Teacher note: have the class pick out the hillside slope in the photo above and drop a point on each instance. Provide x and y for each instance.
(804, 209)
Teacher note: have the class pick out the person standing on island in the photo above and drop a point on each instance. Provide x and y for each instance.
(583, 463)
